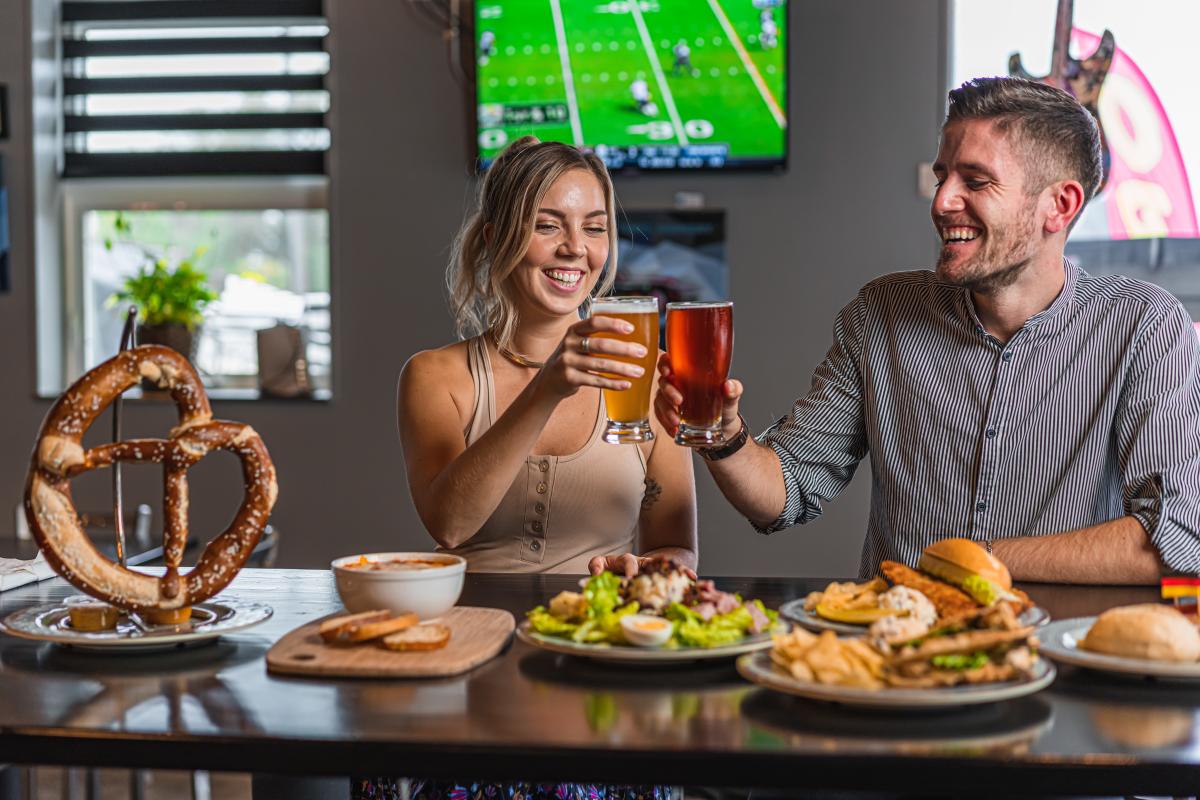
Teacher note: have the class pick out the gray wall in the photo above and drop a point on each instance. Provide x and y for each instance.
(865, 106)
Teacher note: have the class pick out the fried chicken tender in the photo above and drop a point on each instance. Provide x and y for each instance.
(949, 601)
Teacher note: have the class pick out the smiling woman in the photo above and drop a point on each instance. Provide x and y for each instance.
(502, 432)
(531, 487)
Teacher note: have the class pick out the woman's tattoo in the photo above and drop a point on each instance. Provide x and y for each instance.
(653, 492)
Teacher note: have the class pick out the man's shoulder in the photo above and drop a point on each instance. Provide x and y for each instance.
(906, 285)
(1109, 292)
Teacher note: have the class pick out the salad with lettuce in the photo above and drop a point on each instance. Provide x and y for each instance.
(699, 613)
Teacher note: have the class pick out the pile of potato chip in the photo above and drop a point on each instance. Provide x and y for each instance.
(848, 595)
(827, 659)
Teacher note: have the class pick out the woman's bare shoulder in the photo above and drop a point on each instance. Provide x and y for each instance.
(438, 372)
(440, 364)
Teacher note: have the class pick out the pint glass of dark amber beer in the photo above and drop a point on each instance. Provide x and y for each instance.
(700, 343)
(629, 410)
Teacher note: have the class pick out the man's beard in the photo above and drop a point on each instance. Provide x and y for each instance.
(1002, 260)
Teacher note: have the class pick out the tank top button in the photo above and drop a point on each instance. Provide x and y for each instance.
(541, 488)
(537, 526)
(544, 466)
(535, 545)
(540, 508)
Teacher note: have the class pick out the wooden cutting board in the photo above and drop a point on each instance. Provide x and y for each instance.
(476, 635)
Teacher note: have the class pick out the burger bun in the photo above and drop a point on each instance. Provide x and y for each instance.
(954, 560)
(1147, 631)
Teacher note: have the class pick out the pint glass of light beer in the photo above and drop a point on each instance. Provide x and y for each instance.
(700, 342)
(629, 410)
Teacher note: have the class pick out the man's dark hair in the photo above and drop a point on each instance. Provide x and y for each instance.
(1058, 137)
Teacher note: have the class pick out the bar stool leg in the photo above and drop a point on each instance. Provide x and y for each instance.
(201, 785)
(72, 783)
(137, 784)
(93, 784)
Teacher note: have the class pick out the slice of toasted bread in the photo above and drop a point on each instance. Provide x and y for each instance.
(335, 628)
(365, 632)
(420, 637)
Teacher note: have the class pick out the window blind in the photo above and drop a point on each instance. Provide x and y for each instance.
(194, 87)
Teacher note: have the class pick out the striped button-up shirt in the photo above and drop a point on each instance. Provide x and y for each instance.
(1090, 412)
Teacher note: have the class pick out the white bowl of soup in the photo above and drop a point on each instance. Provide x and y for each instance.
(427, 584)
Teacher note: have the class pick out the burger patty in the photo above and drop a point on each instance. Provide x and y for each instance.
(949, 601)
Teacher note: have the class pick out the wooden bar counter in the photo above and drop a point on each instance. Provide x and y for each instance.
(534, 715)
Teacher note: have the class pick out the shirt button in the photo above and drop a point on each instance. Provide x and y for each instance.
(980, 506)
(991, 433)
(541, 488)
(544, 466)
(540, 508)
(535, 545)
(537, 526)
(1006, 355)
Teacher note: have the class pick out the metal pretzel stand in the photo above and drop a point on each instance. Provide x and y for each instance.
(118, 506)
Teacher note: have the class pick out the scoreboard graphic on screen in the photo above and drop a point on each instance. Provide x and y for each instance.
(649, 84)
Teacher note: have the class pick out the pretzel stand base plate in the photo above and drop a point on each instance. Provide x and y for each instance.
(50, 622)
(59, 455)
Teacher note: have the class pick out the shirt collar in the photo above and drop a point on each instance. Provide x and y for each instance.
(1055, 313)
(1066, 298)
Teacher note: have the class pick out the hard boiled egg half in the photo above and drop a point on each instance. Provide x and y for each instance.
(644, 630)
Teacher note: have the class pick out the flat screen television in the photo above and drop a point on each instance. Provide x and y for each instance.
(647, 85)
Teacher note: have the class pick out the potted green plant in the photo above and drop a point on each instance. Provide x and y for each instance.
(170, 301)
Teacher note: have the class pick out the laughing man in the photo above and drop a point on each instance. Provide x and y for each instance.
(1007, 395)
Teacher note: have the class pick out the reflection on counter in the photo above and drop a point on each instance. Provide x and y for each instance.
(1133, 714)
(680, 704)
(997, 730)
(1138, 727)
(183, 696)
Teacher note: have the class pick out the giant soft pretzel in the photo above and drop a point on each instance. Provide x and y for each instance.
(59, 455)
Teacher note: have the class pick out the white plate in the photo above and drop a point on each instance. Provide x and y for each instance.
(628, 653)
(758, 668)
(1060, 640)
(794, 610)
(50, 622)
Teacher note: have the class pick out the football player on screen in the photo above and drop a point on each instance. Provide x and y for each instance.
(768, 35)
(683, 60)
(641, 98)
(487, 47)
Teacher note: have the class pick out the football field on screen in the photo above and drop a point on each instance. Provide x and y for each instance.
(586, 55)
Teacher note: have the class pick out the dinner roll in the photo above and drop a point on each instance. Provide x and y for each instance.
(1150, 631)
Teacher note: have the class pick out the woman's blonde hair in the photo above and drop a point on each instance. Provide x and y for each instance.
(512, 191)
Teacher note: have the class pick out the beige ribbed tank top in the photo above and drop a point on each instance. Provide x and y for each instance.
(560, 511)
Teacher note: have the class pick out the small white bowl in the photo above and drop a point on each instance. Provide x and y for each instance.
(428, 592)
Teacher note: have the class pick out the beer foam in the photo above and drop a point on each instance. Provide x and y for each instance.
(625, 305)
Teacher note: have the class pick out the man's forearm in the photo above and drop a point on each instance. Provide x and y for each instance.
(1118, 551)
(752, 481)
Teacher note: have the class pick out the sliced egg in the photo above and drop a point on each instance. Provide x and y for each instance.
(644, 630)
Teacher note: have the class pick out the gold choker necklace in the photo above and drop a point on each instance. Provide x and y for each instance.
(516, 358)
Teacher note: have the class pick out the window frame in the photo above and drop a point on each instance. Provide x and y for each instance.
(82, 195)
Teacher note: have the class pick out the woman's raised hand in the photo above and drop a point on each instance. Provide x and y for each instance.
(581, 355)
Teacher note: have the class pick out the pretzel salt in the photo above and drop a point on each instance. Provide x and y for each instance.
(59, 456)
